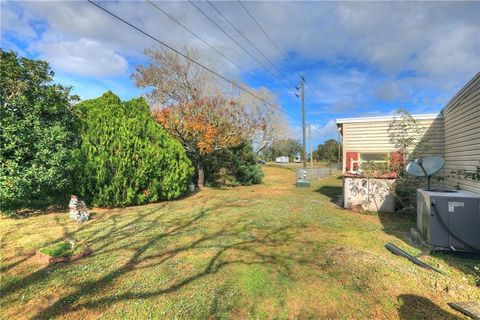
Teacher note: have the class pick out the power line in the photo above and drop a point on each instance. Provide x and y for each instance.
(238, 44)
(273, 42)
(202, 40)
(231, 38)
(239, 32)
(253, 45)
(264, 32)
(183, 55)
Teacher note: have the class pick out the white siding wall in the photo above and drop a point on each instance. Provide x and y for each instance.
(374, 137)
(462, 135)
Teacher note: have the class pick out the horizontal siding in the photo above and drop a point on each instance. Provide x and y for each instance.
(462, 131)
(452, 182)
(462, 153)
(466, 118)
(455, 141)
(466, 99)
(462, 136)
(470, 119)
(471, 145)
(449, 168)
(375, 137)
(456, 136)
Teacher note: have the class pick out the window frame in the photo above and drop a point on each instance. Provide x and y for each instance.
(359, 161)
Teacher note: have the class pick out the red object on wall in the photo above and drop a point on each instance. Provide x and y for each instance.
(351, 155)
(396, 159)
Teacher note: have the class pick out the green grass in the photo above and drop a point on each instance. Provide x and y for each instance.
(270, 251)
(59, 249)
(63, 249)
(293, 166)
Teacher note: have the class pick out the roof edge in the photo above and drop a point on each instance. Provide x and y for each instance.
(426, 116)
(475, 79)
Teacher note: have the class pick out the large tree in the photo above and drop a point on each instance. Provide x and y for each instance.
(38, 133)
(203, 113)
(126, 158)
(262, 121)
(202, 127)
(330, 151)
(174, 80)
(284, 147)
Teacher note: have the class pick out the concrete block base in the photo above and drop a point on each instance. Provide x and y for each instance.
(372, 194)
(302, 184)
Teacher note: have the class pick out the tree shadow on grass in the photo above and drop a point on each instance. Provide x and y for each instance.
(399, 224)
(164, 236)
(332, 192)
(417, 307)
(114, 230)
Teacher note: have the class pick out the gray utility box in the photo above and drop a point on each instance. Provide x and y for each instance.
(460, 212)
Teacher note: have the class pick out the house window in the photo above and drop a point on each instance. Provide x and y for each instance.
(377, 162)
(373, 161)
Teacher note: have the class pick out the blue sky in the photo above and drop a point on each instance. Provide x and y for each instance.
(359, 58)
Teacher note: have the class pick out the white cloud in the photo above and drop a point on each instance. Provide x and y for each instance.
(455, 51)
(320, 132)
(82, 57)
(326, 131)
(16, 23)
(389, 35)
(390, 91)
(435, 42)
(336, 92)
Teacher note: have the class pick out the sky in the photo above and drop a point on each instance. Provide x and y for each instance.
(358, 58)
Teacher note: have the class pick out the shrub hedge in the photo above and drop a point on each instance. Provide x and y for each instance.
(125, 157)
(233, 166)
(37, 135)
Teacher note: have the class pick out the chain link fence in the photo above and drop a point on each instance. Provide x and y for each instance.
(310, 174)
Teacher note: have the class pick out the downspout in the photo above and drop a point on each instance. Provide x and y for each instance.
(443, 147)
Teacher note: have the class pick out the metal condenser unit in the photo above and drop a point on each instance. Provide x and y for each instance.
(448, 219)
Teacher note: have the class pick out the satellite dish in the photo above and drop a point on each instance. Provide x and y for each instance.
(425, 167)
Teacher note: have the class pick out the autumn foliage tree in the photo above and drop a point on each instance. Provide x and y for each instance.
(261, 120)
(203, 112)
(202, 126)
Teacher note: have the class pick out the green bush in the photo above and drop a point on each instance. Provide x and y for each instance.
(249, 174)
(233, 166)
(38, 133)
(125, 157)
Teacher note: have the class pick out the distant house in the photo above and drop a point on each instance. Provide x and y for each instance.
(453, 134)
(282, 159)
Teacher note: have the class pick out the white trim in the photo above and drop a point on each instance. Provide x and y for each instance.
(428, 116)
(360, 161)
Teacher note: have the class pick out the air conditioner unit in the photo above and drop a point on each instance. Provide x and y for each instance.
(448, 219)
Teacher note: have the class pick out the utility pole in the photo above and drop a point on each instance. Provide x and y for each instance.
(303, 182)
(303, 125)
(304, 147)
(310, 146)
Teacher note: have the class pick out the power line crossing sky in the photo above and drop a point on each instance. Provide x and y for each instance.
(359, 58)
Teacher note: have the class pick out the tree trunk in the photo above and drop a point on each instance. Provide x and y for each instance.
(201, 174)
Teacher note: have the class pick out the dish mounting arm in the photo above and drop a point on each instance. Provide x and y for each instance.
(420, 164)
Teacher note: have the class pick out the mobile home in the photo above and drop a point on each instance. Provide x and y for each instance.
(282, 159)
(453, 134)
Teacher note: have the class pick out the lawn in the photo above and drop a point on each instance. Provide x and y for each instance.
(299, 165)
(261, 252)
